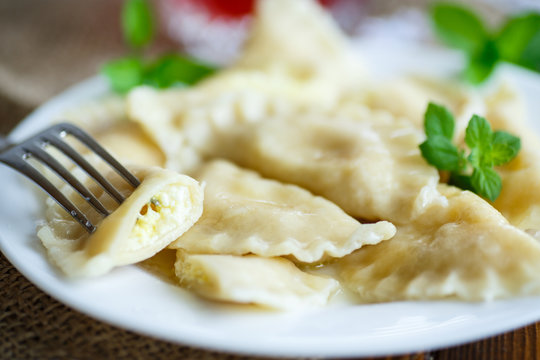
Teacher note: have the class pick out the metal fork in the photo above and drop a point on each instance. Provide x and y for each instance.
(18, 155)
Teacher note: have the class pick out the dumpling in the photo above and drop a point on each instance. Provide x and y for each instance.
(271, 282)
(271, 78)
(159, 210)
(129, 144)
(464, 249)
(409, 97)
(519, 200)
(246, 214)
(313, 42)
(368, 163)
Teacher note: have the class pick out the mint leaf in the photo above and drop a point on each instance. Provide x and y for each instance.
(441, 153)
(459, 27)
(482, 64)
(461, 181)
(478, 136)
(487, 149)
(137, 23)
(530, 58)
(124, 74)
(504, 148)
(486, 182)
(438, 121)
(518, 40)
(477, 157)
(478, 133)
(174, 69)
(516, 36)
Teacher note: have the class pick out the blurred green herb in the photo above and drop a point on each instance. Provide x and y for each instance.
(137, 23)
(138, 27)
(487, 149)
(517, 41)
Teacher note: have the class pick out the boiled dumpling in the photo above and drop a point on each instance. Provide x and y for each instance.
(368, 163)
(159, 210)
(519, 200)
(129, 144)
(409, 97)
(313, 42)
(271, 78)
(271, 282)
(464, 249)
(244, 213)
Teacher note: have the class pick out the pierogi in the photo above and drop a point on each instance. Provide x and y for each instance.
(367, 162)
(269, 281)
(246, 214)
(159, 210)
(461, 248)
(271, 77)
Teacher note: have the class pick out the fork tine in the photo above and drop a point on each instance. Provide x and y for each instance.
(56, 141)
(48, 160)
(98, 149)
(19, 164)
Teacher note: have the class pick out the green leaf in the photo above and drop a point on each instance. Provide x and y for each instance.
(478, 133)
(486, 183)
(504, 147)
(477, 158)
(461, 181)
(438, 121)
(482, 64)
(459, 27)
(516, 36)
(137, 23)
(174, 69)
(441, 153)
(530, 58)
(124, 74)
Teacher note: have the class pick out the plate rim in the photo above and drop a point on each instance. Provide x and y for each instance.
(96, 86)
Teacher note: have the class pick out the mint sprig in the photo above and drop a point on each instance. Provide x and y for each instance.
(517, 41)
(166, 71)
(472, 170)
(138, 27)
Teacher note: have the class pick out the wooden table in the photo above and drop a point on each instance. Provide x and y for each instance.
(44, 47)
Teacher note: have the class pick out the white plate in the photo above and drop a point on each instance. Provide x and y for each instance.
(133, 299)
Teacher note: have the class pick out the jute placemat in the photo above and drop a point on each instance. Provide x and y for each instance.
(35, 326)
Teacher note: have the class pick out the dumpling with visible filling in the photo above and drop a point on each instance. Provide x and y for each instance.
(246, 214)
(464, 249)
(271, 282)
(159, 210)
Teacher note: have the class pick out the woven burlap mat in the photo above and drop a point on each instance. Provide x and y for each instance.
(35, 326)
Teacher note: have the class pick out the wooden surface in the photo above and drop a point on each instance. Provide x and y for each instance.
(50, 47)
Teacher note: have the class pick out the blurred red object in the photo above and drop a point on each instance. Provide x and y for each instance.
(212, 30)
(227, 8)
(223, 8)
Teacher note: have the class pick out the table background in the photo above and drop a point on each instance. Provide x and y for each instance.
(46, 46)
